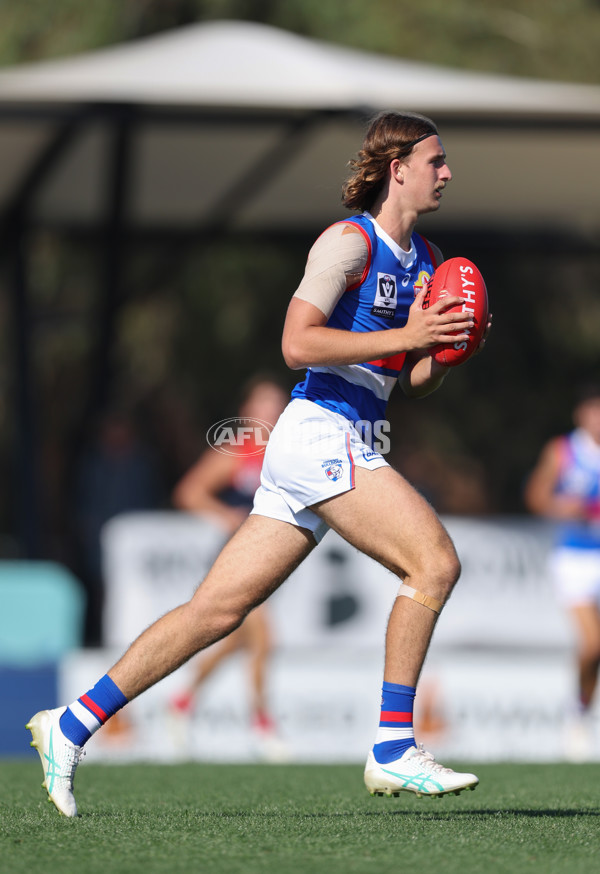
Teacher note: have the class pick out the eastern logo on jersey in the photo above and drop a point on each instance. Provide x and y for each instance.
(386, 297)
(333, 469)
(422, 280)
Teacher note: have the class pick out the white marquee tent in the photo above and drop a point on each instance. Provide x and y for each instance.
(240, 126)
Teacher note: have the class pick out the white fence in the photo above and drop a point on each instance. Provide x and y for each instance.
(496, 685)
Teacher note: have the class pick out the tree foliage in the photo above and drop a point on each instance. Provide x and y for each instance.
(551, 39)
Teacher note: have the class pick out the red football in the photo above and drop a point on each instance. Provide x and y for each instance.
(459, 277)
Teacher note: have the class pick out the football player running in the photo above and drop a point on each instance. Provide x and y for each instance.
(357, 325)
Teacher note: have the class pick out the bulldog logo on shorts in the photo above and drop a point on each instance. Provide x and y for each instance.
(333, 469)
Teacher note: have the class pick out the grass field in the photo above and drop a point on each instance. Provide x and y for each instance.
(262, 819)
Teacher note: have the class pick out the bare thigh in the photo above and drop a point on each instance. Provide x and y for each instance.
(387, 519)
(253, 563)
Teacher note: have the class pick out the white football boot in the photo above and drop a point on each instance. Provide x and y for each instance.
(415, 771)
(59, 758)
(578, 739)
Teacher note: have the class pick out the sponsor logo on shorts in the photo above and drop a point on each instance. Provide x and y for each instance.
(369, 455)
(240, 435)
(333, 469)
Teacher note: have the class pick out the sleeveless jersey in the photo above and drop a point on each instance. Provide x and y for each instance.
(380, 300)
(580, 476)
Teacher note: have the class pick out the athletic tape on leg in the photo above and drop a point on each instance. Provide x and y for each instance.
(426, 600)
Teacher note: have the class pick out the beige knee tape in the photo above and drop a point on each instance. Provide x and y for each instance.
(426, 600)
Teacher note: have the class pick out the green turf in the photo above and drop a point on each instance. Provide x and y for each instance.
(262, 819)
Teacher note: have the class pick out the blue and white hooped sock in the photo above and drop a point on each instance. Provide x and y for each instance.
(89, 713)
(395, 734)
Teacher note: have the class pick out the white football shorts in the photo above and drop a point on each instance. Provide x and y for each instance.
(576, 575)
(311, 455)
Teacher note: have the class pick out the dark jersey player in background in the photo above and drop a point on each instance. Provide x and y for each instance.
(221, 486)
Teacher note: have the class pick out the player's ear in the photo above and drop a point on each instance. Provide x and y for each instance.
(397, 170)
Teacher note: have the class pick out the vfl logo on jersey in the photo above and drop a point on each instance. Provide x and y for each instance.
(333, 469)
(386, 297)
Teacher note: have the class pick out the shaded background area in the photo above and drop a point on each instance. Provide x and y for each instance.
(193, 316)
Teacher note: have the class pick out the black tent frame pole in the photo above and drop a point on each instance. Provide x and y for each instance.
(28, 485)
(111, 254)
(27, 474)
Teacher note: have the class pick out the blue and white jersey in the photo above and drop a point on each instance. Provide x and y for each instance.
(380, 300)
(580, 476)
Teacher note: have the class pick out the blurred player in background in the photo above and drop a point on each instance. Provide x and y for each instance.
(565, 486)
(117, 472)
(358, 324)
(221, 485)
